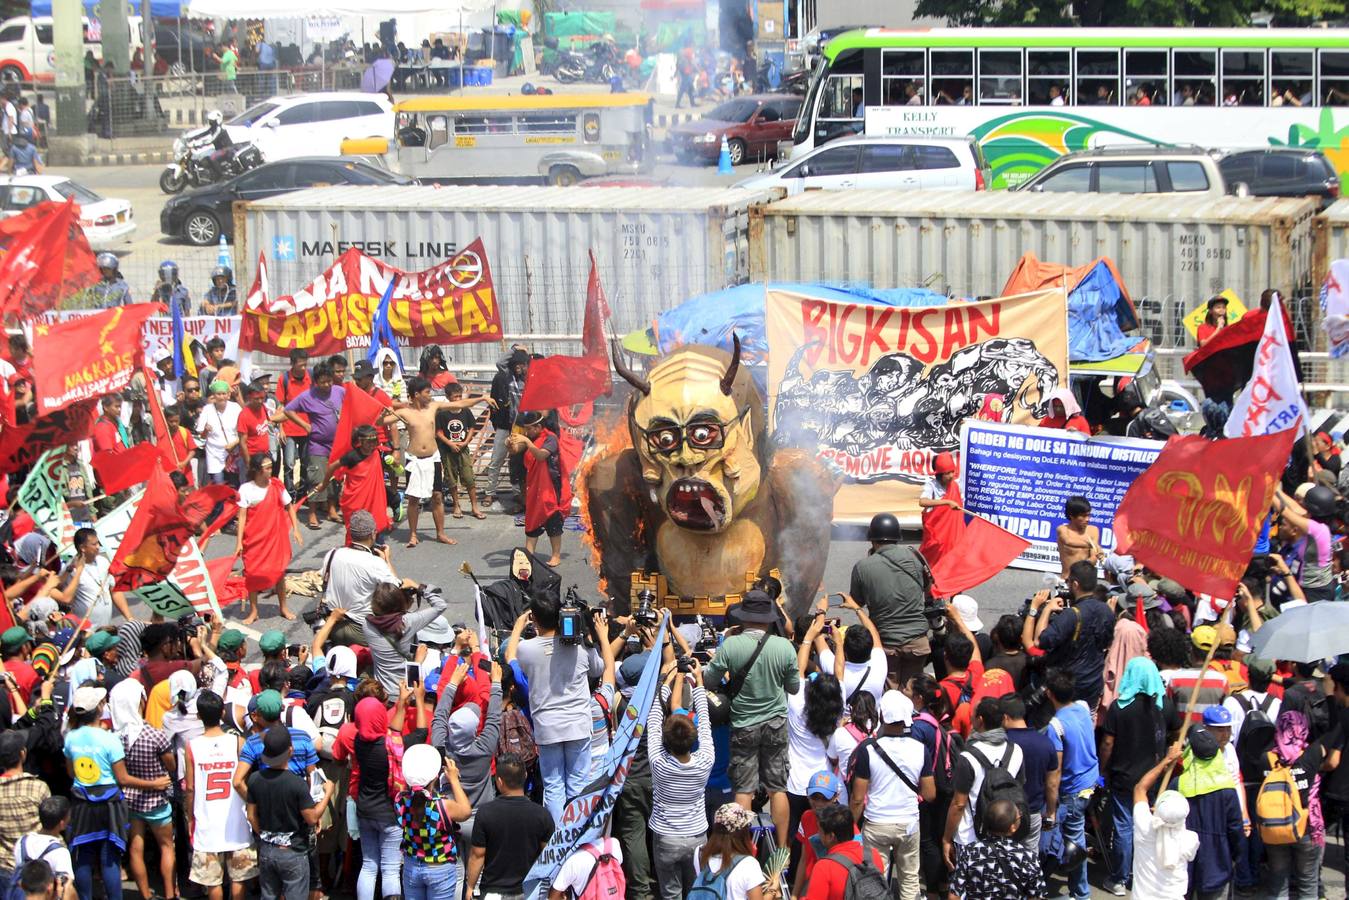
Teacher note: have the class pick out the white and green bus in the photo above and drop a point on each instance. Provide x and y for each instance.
(1029, 95)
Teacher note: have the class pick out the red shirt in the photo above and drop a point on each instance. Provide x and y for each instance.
(253, 425)
(105, 435)
(24, 674)
(954, 687)
(828, 878)
(288, 387)
(442, 378)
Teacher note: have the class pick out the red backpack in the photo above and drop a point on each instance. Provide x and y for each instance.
(606, 881)
(517, 736)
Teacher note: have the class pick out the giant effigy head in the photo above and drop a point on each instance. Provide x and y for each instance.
(697, 426)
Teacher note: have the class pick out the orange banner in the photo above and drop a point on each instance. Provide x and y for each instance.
(878, 391)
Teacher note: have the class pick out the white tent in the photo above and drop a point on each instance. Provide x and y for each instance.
(279, 9)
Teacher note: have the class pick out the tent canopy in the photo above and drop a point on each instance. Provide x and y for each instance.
(299, 9)
(1099, 308)
(160, 9)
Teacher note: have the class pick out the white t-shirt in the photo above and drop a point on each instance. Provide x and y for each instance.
(576, 869)
(933, 490)
(806, 753)
(994, 754)
(841, 746)
(93, 594)
(1254, 699)
(30, 847)
(745, 877)
(354, 574)
(251, 495)
(1150, 879)
(889, 800)
(869, 675)
(220, 428)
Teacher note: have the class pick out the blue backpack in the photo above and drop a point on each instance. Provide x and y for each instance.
(709, 885)
(15, 891)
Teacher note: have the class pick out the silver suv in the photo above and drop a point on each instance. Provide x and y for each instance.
(1132, 170)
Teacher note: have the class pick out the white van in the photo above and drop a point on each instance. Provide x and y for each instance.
(312, 124)
(876, 163)
(26, 52)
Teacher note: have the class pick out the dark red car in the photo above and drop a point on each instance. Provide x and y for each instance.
(752, 126)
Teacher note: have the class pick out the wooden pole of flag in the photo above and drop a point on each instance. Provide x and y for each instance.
(1226, 619)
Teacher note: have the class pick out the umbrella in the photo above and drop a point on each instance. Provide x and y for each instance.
(1305, 634)
(379, 73)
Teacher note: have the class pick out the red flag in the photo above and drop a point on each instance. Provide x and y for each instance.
(21, 445)
(88, 356)
(572, 380)
(118, 470)
(47, 260)
(1194, 514)
(984, 550)
(229, 588)
(158, 530)
(358, 408)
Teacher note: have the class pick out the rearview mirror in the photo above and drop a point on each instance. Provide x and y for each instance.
(1037, 189)
(803, 172)
(270, 123)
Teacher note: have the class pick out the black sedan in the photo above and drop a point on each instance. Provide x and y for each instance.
(201, 216)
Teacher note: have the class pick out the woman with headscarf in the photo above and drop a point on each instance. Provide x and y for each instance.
(1215, 815)
(389, 374)
(454, 729)
(941, 502)
(370, 742)
(1133, 738)
(1130, 641)
(1065, 413)
(1306, 759)
(148, 756)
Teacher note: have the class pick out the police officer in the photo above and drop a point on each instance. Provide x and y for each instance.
(111, 290)
(169, 290)
(221, 299)
(891, 581)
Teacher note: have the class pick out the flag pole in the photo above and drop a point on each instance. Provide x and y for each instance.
(1226, 619)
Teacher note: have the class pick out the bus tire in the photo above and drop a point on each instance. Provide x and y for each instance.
(563, 176)
(11, 74)
(737, 151)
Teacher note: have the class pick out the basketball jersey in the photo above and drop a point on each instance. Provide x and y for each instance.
(221, 823)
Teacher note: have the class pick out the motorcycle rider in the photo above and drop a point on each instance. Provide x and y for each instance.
(221, 146)
(111, 290)
(221, 299)
(170, 291)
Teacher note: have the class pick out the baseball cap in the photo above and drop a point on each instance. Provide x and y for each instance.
(41, 609)
(895, 707)
(362, 369)
(630, 671)
(101, 642)
(14, 638)
(1217, 715)
(1227, 635)
(230, 639)
(1204, 637)
(824, 783)
(275, 745)
(268, 705)
(1203, 743)
(421, 765)
(1141, 591)
(271, 641)
(87, 699)
(1170, 589)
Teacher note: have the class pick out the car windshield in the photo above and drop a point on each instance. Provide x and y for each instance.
(733, 111)
(252, 114)
(82, 194)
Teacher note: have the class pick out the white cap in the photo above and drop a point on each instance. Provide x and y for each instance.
(968, 608)
(88, 698)
(895, 707)
(421, 765)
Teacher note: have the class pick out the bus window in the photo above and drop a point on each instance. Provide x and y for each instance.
(1243, 78)
(1290, 78)
(484, 124)
(1048, 73)
(440, 131)
(1145, 74)
(547, 123)
(952, 75)
(1097, 78)
(841, 108)
(1000, 77)
(1334, 90)
(1195, 72)
(903, 75)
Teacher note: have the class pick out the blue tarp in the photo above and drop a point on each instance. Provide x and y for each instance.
(709, 318)
(1098, 316)
(159, 9)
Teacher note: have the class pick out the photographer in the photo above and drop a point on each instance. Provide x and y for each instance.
(352, 573)
(559, 673)
(390, 630)
(1076, 636)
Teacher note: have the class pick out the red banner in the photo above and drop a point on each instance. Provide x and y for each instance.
(1194, 514)
(21, 445)
(47, 258)
(89, 356)
(451, 303)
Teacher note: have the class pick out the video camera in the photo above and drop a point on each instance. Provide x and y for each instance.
(576, 619)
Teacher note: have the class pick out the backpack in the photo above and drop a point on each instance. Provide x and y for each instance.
(948, 746)
(999, 784)
(15, 891)
(517, 736)
(1255, 712)
(1308, 697)
(1278, 806)
(330, 709)
(965, 696)
(865, 882)
(709, 886)
(606, 877)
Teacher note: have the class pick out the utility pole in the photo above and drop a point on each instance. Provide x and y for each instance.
(68, 44)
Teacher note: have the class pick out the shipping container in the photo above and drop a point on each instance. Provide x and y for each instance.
(654, 247)
(1173, 252)
(1332, 237)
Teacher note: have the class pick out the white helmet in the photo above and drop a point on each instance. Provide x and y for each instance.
(214, 117)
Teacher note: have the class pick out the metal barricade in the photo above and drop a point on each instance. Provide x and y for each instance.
(136, 106)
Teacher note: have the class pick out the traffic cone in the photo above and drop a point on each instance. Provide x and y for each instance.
(724, 158)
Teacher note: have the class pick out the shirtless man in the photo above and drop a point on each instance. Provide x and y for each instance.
(1078, 538)
(425, 475)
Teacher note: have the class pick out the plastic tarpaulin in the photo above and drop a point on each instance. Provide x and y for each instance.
(160, 9)
(572, 24)
(710, 318)
(1099, 308)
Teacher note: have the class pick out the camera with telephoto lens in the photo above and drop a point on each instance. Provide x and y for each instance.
(188, 625)
(708, 641)
(573, 618)
(936, 616)
(684, 664)
(644, 614)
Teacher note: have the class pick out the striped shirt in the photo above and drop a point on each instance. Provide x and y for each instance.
(677, 805)
(1213, 689)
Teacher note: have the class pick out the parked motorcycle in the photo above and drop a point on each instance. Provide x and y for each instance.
(572, 67)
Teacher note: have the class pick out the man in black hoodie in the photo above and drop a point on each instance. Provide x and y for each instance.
(891, 582)
(507, 385)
